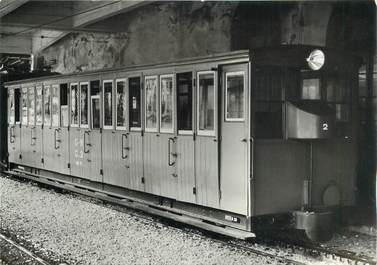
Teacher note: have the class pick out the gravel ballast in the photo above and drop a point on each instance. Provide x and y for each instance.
(72, 229)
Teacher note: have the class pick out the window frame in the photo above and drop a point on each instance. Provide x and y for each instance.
(193, 107)
(42, 109)
(155, 129)
(46, 86)
(85, 126)
(108, 127)
(71, 124)
(172, 129)
(27, 108)
(131, 128)
(199, 131)
(236, 73)
(51, 96)
(11, 97)
(28, 105)
(125, 81)
(94, 97)
(19, 105)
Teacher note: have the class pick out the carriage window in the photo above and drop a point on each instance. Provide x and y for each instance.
(234, 107)
(74, 105)
(166, 103)
(24, 106)
(11, 107)
(96, 112)
(31, 106)
(95, 88)
(17, 97)
(64, 105)
(184, 101)
(151, 103)
(134, 103)
(38, 106)
(55, 105)
(311, 89)
(121, 104)
(47, 105)
(84, 104)
(108, 103)
(206, 102)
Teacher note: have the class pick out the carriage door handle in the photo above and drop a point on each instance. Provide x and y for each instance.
(33, 139)
(124, 156)
(170, 154)
(56, 139)
(12, 135)
(86, 144)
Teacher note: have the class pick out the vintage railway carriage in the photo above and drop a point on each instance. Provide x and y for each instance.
(222, 142)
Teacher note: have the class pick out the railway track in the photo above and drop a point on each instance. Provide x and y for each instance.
(257, 247)
(23, 255)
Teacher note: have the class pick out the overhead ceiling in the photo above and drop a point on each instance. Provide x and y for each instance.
(27, 26)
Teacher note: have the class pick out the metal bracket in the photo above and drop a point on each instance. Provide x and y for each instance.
(194, 190)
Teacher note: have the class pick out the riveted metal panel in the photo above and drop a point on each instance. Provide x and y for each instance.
(51, 161)
(115, 165)
(135, 160)
(78, 158)
(168, 177)
(278, 164)
(14, 143)
(26, 147)
(206, 168)
(61, 150)
(152, 163)
(94, 141)
(185, 166)
(37, 146)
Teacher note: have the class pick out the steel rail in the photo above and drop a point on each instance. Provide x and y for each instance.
(24, 250)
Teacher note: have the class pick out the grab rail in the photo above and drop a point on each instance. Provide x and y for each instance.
(170, 163)
(124, 148)
(86, 144)
(12, 135)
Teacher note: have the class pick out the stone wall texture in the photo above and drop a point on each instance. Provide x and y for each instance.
(165, 31)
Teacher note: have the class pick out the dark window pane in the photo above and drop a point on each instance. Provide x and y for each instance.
(235, 97)
(84, 100)
(121, 104)
(108, 103)
(64, 105)
(17, 96)
(184, 101)
(206, 101)
(94, 88)
(74, 105)
(96, 113)
(134, 102)
(311, 89)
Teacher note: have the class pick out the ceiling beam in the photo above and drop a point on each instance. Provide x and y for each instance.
(15, 44)
(7, 6)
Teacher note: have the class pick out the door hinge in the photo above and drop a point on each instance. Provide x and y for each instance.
(42, 161)
(194, 136)
(101, 172)
(194, 190)
(142, 180)
(69, 165)
(20, 156)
